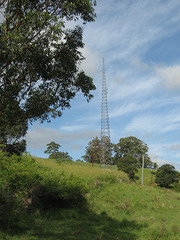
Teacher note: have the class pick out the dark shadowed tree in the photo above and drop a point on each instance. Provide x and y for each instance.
(39, 60)
(128, 165)
(166, 175)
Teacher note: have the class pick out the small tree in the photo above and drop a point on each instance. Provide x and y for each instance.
(52, 149)
(166, 175)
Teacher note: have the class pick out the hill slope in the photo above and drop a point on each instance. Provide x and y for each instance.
(114, 209)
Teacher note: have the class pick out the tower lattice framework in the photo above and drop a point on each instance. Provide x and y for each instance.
(105, 129)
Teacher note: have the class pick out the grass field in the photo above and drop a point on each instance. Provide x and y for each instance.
(114, 209)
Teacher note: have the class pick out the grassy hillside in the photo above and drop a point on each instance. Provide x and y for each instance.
(114, 209)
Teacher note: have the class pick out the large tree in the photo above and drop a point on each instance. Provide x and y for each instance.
(39, 60)
(134, 148)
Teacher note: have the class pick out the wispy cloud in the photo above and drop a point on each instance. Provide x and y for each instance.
(135, 88)
(154, 124)
(170, 76)
(132, 26)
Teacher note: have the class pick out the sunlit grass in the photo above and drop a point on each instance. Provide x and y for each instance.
(90, 175)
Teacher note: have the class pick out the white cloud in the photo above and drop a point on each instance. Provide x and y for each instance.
(75, 128)
(38, 137)
(170, 76)
(90, 64)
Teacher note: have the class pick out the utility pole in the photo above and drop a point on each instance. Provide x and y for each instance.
(142, 169)
(105, 130)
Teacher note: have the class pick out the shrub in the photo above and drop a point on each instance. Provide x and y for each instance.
(59, 190)
(166, 175)
(25, 185)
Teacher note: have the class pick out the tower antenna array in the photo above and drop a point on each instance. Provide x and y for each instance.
(105, 130)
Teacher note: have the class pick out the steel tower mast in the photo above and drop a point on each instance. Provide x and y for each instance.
(105, 130)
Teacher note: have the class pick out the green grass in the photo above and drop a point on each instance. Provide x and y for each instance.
(114, 209)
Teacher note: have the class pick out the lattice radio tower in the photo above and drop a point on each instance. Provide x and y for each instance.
(105, 130)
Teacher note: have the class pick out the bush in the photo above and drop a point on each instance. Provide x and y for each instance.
(25, 185)
(166, 175)
(60, 190)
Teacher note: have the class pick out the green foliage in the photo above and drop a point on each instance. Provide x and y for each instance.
(64, 156)
(166, 175)
(93, 151)
(108, 178)
(10, 138)
(61, 190)
(176, 186)
(134, 147)
(17, 176)
(39, 61)
(52, 149)
(25, 185)
(128, 164)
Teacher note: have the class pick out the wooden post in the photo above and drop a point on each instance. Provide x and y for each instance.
(92, 158)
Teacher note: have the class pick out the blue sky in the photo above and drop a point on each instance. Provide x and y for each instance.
(140, 41)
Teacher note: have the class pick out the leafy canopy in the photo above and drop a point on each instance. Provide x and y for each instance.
(39, 60)
(132, 147)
